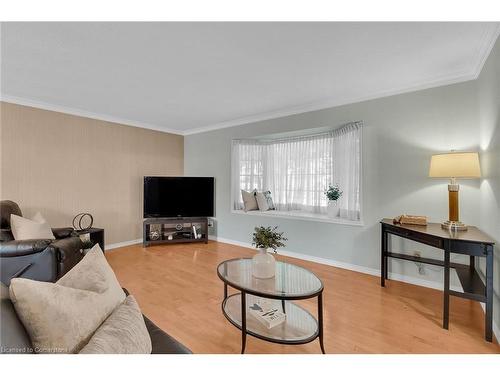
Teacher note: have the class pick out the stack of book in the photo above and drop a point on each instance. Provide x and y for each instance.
(411, 220)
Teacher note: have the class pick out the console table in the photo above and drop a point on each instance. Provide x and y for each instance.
(472, 242)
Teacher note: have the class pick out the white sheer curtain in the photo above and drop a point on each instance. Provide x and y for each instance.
(297, 170)
(247, 168)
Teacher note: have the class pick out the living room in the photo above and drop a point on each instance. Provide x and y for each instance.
(250, 188)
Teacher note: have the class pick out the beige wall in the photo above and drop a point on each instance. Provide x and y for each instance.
(62, 164)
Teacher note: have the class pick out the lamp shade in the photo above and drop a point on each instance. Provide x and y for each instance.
(455, 164)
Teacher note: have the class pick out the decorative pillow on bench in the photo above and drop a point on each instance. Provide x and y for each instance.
(61, 317)
(264, 201)
(249, 201)
(255, 200)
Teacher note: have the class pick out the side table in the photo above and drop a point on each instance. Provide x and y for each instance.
(92, 235)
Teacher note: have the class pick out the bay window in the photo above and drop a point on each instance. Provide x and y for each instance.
(297, 170)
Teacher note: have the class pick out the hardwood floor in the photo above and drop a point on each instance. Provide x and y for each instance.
(177, 287)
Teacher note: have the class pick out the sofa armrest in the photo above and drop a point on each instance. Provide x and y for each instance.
(66, 247)
(63, 232)
(161, 342)
(23, 247)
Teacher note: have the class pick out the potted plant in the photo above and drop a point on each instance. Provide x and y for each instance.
(333, 193)
(265, 239)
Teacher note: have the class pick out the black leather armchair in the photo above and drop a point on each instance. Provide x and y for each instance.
(38, 259)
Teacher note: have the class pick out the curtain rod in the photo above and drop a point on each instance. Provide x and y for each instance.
(312, 135)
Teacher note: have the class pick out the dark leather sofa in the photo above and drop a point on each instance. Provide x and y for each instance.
(162, 342)
(38, 259)
(47, 260)
(15, 340)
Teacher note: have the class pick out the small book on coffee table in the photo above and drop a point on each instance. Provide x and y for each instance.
(267, 312)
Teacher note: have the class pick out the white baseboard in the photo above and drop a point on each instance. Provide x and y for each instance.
(347, 266)
(311, 258)
(112, 246)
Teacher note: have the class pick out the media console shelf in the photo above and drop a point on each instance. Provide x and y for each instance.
(174, 230)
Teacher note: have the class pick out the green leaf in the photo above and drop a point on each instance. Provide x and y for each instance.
(268, 238)
(333, 192)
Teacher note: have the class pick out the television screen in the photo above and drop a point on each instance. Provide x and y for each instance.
(178, 197)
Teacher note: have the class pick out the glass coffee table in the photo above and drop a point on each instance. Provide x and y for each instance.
(290, 283)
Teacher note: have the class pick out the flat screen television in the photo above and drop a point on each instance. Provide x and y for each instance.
(178, 197)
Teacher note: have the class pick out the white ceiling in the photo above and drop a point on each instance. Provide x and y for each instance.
(190, 77)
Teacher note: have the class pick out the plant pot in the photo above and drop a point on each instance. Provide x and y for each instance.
(263, 265)
(333, 209)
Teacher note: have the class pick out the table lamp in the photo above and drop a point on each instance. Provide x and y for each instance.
(454, 165)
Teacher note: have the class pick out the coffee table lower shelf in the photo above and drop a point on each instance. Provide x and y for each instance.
(300, 327)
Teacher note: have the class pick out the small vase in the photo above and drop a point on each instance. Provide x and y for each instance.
(263, 265)
(333, 209)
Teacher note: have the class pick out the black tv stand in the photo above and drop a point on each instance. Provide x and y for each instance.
(174, 230)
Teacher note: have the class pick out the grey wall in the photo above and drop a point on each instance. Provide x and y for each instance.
(400, 135)
(488, 85)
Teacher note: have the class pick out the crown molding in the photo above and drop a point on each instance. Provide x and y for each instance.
(82, 113)
(476, 65)
(484, 50)
(488, 42)
(315, 106)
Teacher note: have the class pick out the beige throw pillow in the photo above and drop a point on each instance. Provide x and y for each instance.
(124, 332)
(249, 201)
(61, 317)
(26, 229)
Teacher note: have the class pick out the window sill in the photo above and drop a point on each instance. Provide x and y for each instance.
(297, 215)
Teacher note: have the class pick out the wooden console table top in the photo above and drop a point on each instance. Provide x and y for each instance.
(473, 234)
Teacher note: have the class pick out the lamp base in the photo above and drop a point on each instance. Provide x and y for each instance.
(454, 225)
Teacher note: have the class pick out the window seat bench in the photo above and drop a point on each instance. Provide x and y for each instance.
(300, 215)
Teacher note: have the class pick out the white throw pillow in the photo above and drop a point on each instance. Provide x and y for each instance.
(26, 229)
(262, 201)
(249, 201)
(61, 317)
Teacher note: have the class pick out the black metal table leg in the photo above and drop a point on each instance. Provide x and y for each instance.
(383, 251)
(225, 290)
(446, 294)
(488, 322)
(283, 306)
(243, 321)
(386, 258)
(320, 322)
